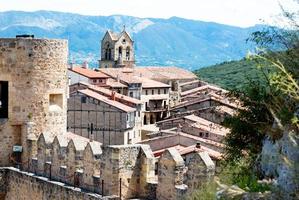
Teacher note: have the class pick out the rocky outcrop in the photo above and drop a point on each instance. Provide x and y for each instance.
(280, 160)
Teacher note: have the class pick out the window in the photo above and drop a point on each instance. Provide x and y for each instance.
(56, 102)
(3, 99)
(159, 91)
(109, 54)
(120, 52)
(153, 92)
(131, 94)
(156, 168)
(83, 99)
(94, 81)
(107, 51)
(207, 134)
(129, 139)
(128, 53)
(200, 134)
(146, 93)
(165, 91)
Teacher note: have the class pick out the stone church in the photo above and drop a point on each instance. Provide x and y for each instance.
(117, 50)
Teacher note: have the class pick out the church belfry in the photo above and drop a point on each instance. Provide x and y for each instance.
(117, 50)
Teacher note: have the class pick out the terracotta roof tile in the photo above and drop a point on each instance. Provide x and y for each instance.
(89, 73)
(108, 92)
(204, 124)
(154, 73)
(104, 99)
(148, 83)
(203, 88)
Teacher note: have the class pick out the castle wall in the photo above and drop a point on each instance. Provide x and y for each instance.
(37, 86)
(26, 186)
(171, 169)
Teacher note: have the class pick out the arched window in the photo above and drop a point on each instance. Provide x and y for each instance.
(106, 54)
(120, 52)
(128, 53)
(144, 120)
(107, 50)
(109, 54)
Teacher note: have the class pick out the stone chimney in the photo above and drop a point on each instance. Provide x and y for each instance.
(113, 95)
(85, 65)
(179, 128)
(198, 146)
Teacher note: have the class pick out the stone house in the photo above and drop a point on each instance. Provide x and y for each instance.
(108, 121)
(123, 99)
(84, 74)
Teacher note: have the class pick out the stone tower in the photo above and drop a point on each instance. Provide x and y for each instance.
(117, 50)
(33, 93)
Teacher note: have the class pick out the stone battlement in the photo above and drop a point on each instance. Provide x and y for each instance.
(16, 184)
(129, 171)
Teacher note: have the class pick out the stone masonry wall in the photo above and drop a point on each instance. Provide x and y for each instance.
(37, 86)
(27, 186)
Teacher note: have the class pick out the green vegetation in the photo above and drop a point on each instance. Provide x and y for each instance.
(206, 191)
(267, 85)
(230, 75)
(242, 175)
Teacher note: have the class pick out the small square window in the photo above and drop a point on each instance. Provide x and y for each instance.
(55, 101)
(83, 99)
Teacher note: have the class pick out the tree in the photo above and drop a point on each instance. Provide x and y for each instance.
(270, 104)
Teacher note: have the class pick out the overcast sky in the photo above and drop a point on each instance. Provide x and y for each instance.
(234, 12)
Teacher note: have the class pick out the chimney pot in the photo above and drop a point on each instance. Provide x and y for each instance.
(198, 146)
(113, 95)
(85, 65)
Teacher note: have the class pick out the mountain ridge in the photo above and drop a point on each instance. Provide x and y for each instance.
(190, 44)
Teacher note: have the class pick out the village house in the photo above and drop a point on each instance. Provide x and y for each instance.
(108, 121)
(116, 100)
(77, 73)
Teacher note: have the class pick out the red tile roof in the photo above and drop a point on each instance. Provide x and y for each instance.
(154, 73)
(203, 88)
(89, 73)
(207, 125)
(108, 92)
(106, 100)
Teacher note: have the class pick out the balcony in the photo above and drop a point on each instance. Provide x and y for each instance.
(156, 108)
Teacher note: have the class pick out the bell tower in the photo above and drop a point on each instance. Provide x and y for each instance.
(117, 50)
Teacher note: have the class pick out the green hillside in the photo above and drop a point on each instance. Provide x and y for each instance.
(229, 75)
